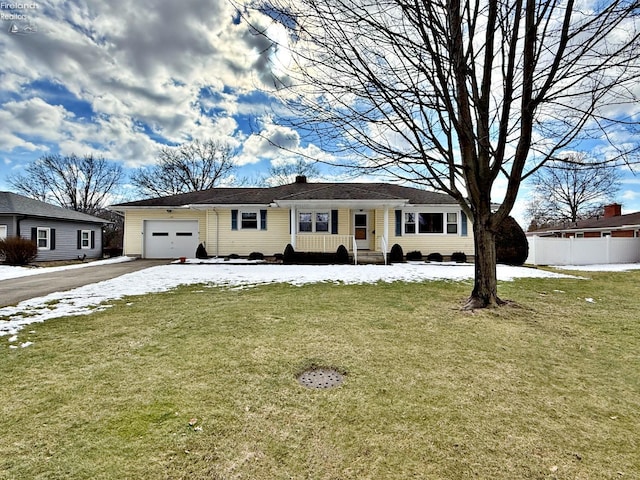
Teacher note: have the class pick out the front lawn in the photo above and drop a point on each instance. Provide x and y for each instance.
(200, 383)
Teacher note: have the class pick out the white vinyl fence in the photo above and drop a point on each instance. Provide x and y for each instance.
(583, 251)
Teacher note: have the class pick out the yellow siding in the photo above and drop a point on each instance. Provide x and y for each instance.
(345, 222)
(134, 226)
(222, 240)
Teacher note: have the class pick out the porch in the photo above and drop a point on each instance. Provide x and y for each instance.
(330, 244)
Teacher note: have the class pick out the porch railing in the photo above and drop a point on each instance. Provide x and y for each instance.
(323, 243)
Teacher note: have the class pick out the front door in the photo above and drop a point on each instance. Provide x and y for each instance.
(361, 230)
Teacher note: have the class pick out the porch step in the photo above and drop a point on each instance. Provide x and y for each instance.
(370, 258)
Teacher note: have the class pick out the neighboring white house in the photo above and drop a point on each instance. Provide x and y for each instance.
(312, 217)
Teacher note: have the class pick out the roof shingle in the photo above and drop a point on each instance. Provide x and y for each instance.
(14, 204)
(296, 191)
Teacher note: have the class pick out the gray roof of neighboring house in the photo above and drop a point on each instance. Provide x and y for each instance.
(297, 191)
(597, 223)
(14, 204)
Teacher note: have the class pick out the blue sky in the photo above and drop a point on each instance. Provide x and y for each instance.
(120, 79)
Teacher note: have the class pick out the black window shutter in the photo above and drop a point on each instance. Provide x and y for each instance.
(234, 219)
(52, 244)
(334, 222)
(34, 234)
(93, 239)
(79, 237)
(263, 219)
(398, 223)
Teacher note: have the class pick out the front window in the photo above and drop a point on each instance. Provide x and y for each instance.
(3, 232)
(309, 222)
(44, 235)
(452, 222)
(430, 223)
(322, 222)
(249, 220)
(306, 222)
(409, 222)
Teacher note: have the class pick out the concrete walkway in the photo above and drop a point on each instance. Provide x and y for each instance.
(15, 290)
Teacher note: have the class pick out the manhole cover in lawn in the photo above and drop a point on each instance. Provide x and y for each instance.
(320, 378)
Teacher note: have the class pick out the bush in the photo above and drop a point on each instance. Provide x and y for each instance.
(256, 256)
(201, 252)
(342, 254)
(18, 251)
(416, 255)
(289, 254)
(459, 257)
(396, 255)
(434, 257)
(512, 247)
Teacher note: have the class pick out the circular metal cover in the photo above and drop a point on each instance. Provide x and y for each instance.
(321, 378)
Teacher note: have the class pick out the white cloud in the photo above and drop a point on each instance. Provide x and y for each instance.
(134, 64)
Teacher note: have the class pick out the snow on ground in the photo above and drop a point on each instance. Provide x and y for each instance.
(8, 272)
(620, 267)
(90, 298)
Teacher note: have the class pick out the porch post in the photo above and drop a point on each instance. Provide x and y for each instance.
(385, 231)
(293, 227)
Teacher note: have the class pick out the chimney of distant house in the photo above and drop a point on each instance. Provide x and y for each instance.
(613, 210)
(301, 179)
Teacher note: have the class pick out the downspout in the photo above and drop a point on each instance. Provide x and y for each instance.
(18, 220)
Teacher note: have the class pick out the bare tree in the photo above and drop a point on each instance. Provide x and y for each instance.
(571, 190)
(187, 168)
(287, 172)
(459, 96)
(85, 184)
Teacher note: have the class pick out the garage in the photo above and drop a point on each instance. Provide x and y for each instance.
(170, 238)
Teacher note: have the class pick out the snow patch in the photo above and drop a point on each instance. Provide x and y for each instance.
(90, 298)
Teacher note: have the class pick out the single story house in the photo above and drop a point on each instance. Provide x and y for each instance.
(60, 233)
(612, 224)
(612, 238)
(312, 217)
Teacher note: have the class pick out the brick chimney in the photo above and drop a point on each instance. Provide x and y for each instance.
(301, 179)
(613, 210)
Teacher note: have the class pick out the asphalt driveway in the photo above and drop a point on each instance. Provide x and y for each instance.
(15, 290)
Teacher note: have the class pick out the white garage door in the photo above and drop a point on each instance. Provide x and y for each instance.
(170, 238)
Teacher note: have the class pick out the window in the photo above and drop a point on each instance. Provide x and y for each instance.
(249, 220)
(409, 222)
(43, 238)
(3, 232)
(452, 223)
(305, 222)
(430, 223)
(85, 239)
(319, 222)
(322, 222)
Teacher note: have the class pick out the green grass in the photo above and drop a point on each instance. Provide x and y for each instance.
(548, 388)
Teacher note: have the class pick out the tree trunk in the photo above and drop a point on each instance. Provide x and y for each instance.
(485, 286)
